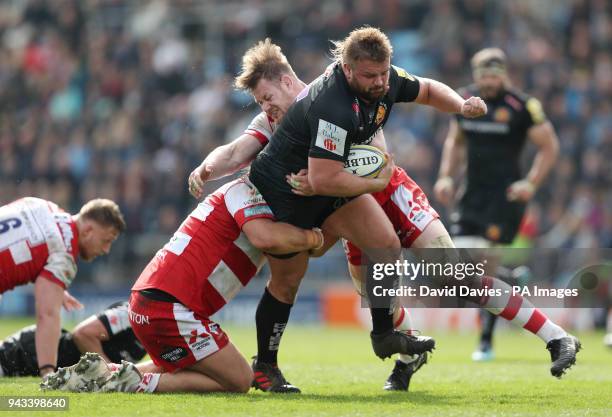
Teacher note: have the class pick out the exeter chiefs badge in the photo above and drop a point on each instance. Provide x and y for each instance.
(380, 113)
(502, 115)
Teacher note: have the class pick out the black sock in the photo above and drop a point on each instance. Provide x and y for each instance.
(488, 326)
(382, 321)
(271, 318)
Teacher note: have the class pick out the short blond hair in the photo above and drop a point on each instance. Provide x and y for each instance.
(266, 61)
(363, 43)
(104, 212)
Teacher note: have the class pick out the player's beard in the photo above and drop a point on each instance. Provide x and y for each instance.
(372, 94)
(490, 93)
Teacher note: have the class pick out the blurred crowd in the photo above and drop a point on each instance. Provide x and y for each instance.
(122, 99)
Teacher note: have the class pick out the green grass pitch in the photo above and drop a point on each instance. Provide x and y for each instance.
(340, 376)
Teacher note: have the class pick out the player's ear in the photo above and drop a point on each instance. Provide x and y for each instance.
(346, 68)
(286, 81)
(87, 229)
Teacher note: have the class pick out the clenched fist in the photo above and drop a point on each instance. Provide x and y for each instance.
(473, 107)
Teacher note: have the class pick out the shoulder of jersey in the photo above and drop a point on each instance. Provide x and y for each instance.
(518, 95)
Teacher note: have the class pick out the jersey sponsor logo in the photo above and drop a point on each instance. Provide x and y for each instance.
(501, 115)
(514, 103)
(174, 354)
(254, 197)
(484, 127)
(138, 318)
(198, 341)
(331, 137)
(403, 73)
(257, 210)
(380, 113)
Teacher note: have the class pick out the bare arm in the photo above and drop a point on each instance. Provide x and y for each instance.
(280, 238)
(442, 97)
(544, 137)
(327, 177)
(224, 160)
(89, 335)
(453, 157)
(70, 303)
(48, 298)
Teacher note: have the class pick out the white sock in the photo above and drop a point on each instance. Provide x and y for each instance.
(402, 321)
(148, 383)
(520, 312)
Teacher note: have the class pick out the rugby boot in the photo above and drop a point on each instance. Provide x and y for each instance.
(124, 379)
(563, 354)
(395, 341)
(399, 380)
(268, 377)
(90, 369)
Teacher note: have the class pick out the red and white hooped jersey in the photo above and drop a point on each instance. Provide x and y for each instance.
(37, 238)
(209, 260)
(261, 128)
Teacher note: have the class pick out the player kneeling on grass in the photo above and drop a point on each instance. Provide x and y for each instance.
(215, 252)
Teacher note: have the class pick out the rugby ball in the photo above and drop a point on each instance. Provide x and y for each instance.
(365, 161)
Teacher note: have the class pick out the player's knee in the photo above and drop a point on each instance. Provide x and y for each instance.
(389, 241)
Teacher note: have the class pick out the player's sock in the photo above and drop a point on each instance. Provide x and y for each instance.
(382, 321)
(403, 322)
(488, 326)
(520, 311)
(271, 319)
(382, 317)
(148, 383)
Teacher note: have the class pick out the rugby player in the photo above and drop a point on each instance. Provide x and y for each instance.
(337, 110)
(316, 134)
(40, 243)
(204, 265)
(276, 87)
(109, 333)
(493, 204)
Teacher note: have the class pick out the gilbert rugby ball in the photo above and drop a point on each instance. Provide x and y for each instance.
(365, 161)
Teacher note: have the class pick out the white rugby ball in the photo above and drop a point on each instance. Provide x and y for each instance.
(365, 161)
